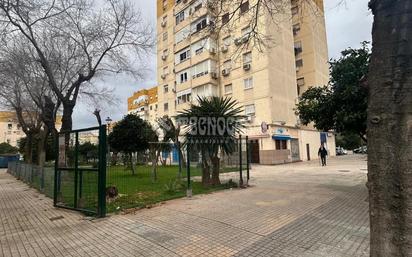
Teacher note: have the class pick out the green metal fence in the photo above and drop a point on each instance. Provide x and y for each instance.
(41, 178)
(159, 174)
(80, 170)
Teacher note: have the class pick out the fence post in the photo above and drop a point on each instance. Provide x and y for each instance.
(180, 159)
(102, 172)
(76, 169)
(42, 179)
(247, 161)
(189, 192)
(240, 162)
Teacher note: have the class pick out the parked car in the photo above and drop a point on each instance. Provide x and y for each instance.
(361, 150)
(341, 151)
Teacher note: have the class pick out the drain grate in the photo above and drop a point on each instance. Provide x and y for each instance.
(56, 218)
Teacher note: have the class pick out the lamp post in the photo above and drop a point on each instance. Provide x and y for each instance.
(108, 122)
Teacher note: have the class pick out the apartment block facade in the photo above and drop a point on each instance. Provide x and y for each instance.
(10, 128)
(203, 50)
(144, 103)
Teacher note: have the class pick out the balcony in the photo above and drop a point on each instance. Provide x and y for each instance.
(204, 55)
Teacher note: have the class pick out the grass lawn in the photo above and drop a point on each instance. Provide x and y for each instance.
(139, 191)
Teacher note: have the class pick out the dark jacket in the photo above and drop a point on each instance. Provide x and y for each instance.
(322, 152)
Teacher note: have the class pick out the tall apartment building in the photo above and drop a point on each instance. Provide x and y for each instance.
(196, 59)
(144, 103)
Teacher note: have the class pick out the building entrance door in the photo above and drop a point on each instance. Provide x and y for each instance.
(254, 151)
(294, 147)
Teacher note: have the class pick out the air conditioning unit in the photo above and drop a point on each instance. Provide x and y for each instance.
(163, 76)
(212, 50)
(246, 66)
(238, 41)
(244, 39)
(173, 90)
(224, 49)
(164, 57)
(225, 72)
(213, 75)
(163, 24)
(249, 119)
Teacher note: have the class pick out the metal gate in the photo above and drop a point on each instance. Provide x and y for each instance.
(80, 170)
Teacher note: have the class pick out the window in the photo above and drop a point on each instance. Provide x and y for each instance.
(248, 83)
(247, 58)
(298, 47)
(200, 24)
(164, 4)
(296, 29)
(299, 63)
(178, 1)
(18, 126)
(227, 65)
(165, 36)
(183, 56)
(164, 20)
(180, 17)
(166, 107)
(199, 51)
(8, 141)
(228, 89)
(198, 7)
(165, 70)
(200, 69)
(246, 31)
(295, 10)
(225, 18)
(226, 41)
(184, 97)
(250, 110)
(281, 144)
(166, 88)
(294, 3)
(244, 7)
(182, 34)
(300, 81)
(165, 53)
(151, 107)
(183, 77)
(9, 126)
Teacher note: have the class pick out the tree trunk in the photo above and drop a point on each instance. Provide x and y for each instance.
(205, 172)
(132, 164)
(215, 170)
(41, 147)
(155, 159)
(390, 129)
(28, 149)
(67, 122)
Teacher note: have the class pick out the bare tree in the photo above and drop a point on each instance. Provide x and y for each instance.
(16, 95)
(77, 40)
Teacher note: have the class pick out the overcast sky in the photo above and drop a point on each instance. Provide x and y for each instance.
(347, 25)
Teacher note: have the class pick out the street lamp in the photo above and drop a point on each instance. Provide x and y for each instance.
(108, 122)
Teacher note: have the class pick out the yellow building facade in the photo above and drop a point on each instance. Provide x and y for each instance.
(198, 56)
(143, 103)
(10, 129)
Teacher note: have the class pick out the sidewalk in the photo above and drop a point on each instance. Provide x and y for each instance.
(292, 210)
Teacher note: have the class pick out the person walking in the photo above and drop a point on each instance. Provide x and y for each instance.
(323, 153)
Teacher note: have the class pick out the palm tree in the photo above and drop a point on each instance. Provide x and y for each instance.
(212, 127)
